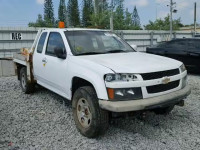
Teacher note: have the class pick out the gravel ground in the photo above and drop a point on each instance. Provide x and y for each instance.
(43, 120)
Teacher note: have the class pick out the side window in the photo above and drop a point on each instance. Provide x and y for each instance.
(191, 44)
(178, 45)
(197, 45)
(194, 45)
(171, 44)
(162, 45)
(55, 40)
(41, 42)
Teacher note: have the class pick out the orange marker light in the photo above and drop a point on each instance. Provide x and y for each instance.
(61, 24)
(110, 93)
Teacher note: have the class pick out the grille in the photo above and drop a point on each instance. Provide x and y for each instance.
(162, 87)
(157, 75)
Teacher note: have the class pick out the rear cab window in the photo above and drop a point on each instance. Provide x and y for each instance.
(41, 42)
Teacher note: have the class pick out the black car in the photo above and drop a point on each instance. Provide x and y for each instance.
(186, 50)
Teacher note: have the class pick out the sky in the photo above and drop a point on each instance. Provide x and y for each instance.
(21, 12)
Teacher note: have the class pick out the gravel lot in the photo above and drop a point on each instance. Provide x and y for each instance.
(44, 121)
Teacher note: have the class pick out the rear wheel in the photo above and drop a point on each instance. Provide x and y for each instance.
(26, 87)
(90, 119)
(164, 110)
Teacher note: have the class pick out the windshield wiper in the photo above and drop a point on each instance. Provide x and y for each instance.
(115, 51)
(89, 53)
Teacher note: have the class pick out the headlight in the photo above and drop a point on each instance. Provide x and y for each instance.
(124, 94)
(120, 77)
(182, 68)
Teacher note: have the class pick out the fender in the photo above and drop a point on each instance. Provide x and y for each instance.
(88, 71)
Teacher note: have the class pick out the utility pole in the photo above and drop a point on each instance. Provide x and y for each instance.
(157, 4)
(111, 16)
(156, 12)
(195, 17)
(95, 6)
(172, 10)
(171, 19)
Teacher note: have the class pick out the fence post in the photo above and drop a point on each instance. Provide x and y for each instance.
(122, 35)
(1, 71)
(193, 33)
(174, 35)
(151, 36)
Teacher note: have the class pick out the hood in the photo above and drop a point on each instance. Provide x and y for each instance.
(134, 62)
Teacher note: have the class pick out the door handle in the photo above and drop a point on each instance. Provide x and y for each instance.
(44, 60)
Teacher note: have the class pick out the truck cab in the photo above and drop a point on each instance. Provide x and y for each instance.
(101, 73)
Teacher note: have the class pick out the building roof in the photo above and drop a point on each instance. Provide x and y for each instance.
(189, 28)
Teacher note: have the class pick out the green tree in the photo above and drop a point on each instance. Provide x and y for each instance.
(103, 6)
(73, 13)
(164, 24)
(119, 15)
(88, 9)
(128, 20)
(62, 11)
(49, 13)
(39, 22)
(101, 18)
(136, 18)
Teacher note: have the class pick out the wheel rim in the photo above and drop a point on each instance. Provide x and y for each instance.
(83, 113)
(23, 80)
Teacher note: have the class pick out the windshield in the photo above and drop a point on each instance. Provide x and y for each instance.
(96, 42)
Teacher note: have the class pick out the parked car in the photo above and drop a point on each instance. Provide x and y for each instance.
(186, 50)
(197, 35)
(100, 73)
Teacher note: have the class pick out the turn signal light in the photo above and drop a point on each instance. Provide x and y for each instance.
(110, 93)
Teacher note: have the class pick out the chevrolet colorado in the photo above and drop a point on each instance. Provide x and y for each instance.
(100, 73)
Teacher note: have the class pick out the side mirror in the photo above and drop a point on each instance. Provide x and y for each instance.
(134, 46)
(60, 53)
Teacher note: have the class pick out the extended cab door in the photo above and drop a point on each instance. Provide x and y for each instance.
(53, 74)
(38, 56)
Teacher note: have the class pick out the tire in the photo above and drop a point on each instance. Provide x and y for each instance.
(91, 121)
(164, 110)
(26, 87)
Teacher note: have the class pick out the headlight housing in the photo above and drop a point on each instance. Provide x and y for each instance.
(122, 94)
(182, 68)
(120, 77)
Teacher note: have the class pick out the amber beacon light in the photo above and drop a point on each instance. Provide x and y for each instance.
(61, 24)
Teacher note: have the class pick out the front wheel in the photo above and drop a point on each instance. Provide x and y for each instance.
(90, 119)
(26, 87)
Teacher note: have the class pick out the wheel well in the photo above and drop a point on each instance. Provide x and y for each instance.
(79, 82)
(19, 67)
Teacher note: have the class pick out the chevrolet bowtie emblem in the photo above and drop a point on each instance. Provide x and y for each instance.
(165, 80)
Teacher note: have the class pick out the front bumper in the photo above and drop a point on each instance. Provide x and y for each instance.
(142, 104)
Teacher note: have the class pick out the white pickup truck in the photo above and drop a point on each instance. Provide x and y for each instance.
(100, 73)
